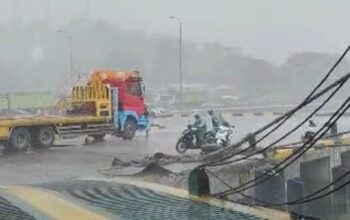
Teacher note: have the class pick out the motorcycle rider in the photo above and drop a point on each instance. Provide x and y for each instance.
(217, 120)
(311, 127)
(200, 128)
(309, 131)
(222, 130)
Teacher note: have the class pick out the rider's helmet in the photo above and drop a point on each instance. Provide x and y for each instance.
(196, 116)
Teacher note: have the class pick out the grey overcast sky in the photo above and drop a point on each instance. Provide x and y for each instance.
(269, 29)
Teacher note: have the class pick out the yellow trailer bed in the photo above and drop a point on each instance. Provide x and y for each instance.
(18, 133)
(38, 120)
(7, 124)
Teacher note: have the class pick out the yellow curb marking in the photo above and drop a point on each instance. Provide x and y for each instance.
(52, 205)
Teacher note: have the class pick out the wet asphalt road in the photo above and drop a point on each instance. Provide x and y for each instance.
(72, 159)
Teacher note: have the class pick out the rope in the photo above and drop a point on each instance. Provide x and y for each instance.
(288, 114)
(313, 140)
(288, 133)
(314, 97)
(294, 202)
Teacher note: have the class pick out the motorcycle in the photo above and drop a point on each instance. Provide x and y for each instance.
(224, 135)
(187, 140)
(310, 131)
(221, 137)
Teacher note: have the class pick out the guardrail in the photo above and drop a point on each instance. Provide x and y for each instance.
(245, 114)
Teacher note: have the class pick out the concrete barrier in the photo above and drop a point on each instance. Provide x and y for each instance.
(280, 153)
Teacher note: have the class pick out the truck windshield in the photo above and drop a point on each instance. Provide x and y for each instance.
(134, 88)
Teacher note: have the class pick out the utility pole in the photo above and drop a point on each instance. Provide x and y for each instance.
(70, 47)
(180, 60)
(70, 53)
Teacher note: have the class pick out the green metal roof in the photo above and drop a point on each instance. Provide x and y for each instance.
(118, 200)
(130, 202)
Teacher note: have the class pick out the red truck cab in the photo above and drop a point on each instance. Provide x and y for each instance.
(130, 88)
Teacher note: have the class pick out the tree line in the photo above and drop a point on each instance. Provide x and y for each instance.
(35, 57)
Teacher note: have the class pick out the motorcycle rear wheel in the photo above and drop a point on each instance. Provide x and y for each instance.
(181, 147)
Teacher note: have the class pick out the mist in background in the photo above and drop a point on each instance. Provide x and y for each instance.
(260, 48)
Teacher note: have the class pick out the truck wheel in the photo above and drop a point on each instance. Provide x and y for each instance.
(98, 137)
(129, 131)
(44, 137)
(19, 140)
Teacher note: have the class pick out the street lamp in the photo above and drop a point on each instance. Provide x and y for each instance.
(180, 56)
(70, 47)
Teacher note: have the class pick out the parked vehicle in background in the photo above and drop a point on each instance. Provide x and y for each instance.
(156, 112)
(193, 96)
(228, 101)
(165, 100)
(209, 106)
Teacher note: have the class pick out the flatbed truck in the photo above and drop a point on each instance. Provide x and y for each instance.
(111, 103)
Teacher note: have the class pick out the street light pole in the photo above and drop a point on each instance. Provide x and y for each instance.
(70, 47)
(71, 53)
(180, 59)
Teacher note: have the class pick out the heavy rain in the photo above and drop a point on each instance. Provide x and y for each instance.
(159, 109)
